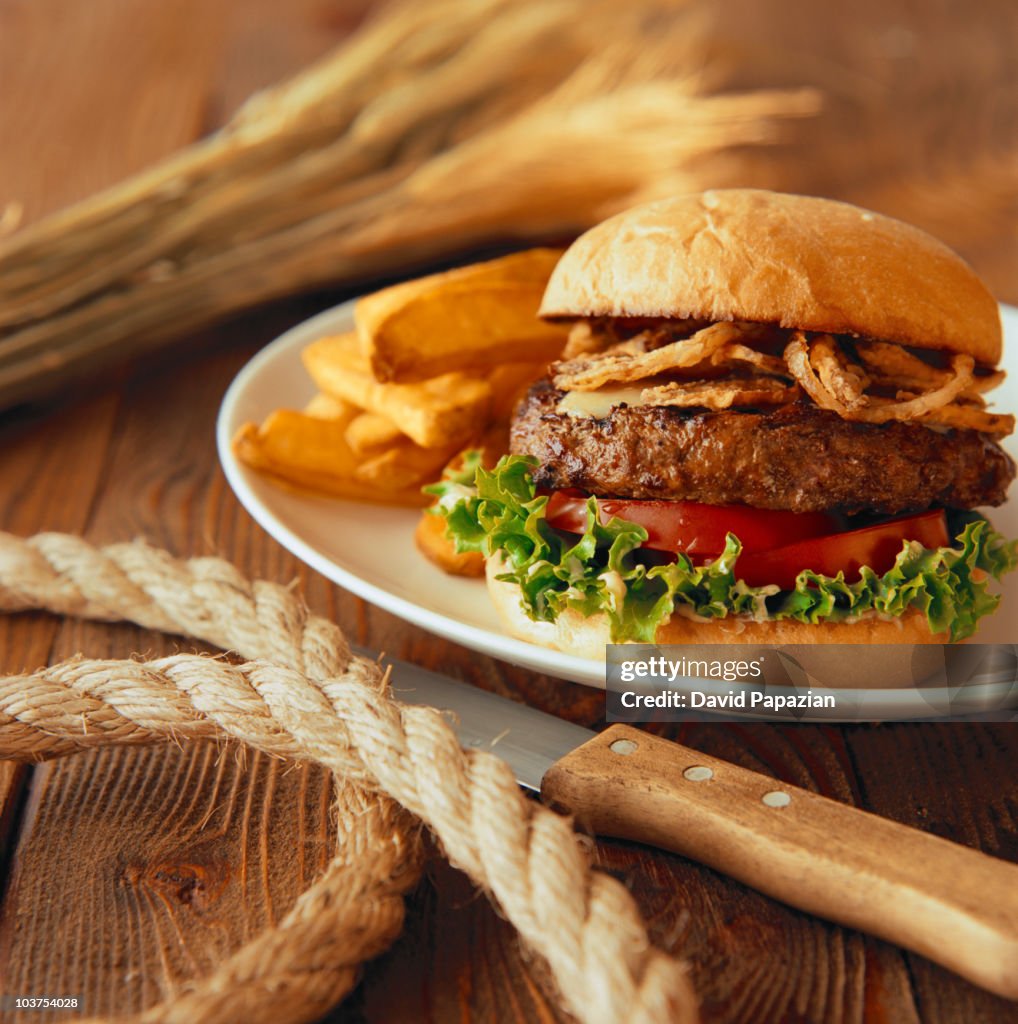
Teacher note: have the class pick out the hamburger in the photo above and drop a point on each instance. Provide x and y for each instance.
(769, 424)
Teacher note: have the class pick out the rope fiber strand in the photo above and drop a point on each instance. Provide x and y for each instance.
(303, 695)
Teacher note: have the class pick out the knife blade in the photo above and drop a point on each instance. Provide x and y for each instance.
(952, 904)
(530, 741)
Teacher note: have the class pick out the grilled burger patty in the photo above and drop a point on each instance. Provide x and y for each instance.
(795, 457)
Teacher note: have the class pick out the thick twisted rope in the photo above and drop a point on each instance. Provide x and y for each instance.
(311, 959)
(305, 696)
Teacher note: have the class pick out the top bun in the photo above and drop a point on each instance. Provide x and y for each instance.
(795, 261)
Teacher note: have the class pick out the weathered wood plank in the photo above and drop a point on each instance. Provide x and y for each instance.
(139, 869)
(94, 92)
(50, 472)
(12, 777)
(125, 84)
(957, 781)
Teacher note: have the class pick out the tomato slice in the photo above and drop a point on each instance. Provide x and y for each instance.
(776, 545)
(696, 529)
(876, 546)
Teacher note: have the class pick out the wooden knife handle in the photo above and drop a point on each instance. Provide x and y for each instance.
(950, 903)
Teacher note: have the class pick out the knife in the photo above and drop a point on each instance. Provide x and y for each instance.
(952, 904)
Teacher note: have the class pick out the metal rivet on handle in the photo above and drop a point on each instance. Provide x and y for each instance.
(776, 798)
(622, 747)
(698, 773)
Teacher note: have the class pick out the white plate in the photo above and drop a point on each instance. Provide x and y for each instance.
(369, 549)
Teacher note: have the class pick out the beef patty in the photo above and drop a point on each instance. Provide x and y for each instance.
(794, 457)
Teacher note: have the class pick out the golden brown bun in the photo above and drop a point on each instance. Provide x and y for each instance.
(586, 636)
(796, 261)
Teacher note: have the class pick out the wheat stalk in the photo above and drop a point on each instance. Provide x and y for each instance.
(439, 126)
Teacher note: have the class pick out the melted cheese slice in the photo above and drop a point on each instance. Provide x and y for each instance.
(598, 404)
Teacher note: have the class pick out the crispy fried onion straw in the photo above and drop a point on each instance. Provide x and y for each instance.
(773, 366)
(825, 377)
(883, 359)
(621, 366)
(837, 376)
(893, 366)
(721, 366)
(722, 394)
(582, 341)
(967, 417)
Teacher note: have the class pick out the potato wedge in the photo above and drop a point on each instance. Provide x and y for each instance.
(436, 413)
(370, 432)
(432, 542)
(471, 318)
(328, 407)
(312, 454)
(402, 466)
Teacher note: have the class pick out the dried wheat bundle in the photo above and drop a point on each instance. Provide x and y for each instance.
(440, 125)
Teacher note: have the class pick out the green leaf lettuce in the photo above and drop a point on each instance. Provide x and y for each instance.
(499, 510)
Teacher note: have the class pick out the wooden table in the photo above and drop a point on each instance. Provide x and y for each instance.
(126, 872)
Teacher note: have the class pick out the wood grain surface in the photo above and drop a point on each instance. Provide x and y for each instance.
(127, 872)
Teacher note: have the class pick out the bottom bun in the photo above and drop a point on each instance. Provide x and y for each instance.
(586, 636)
